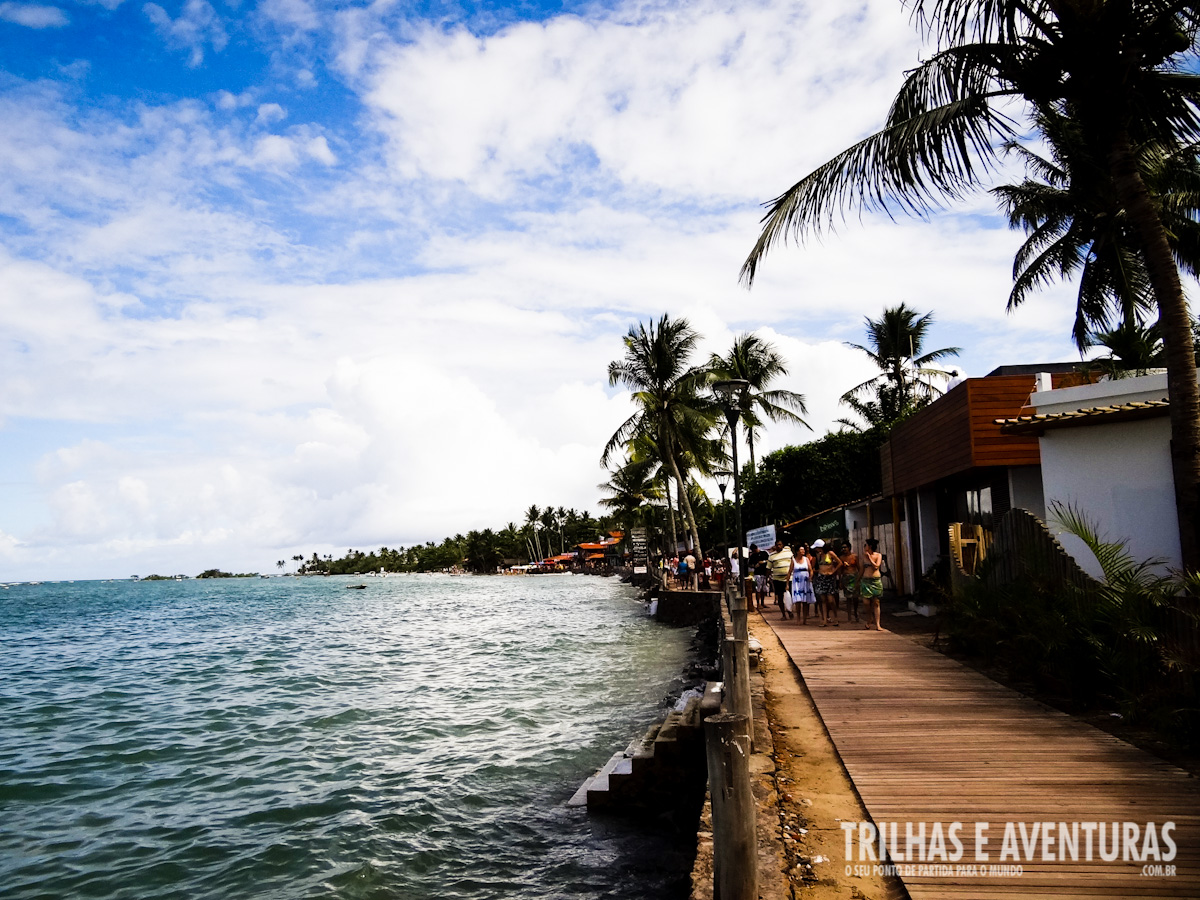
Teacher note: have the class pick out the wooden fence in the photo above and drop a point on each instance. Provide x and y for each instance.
(1022, 545)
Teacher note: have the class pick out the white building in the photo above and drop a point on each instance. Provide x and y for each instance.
(1105, 451)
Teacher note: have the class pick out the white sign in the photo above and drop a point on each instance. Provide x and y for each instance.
(763, 538)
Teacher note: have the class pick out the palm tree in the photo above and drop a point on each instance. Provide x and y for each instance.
(882, 410)
(630, 489)
(532, 515)
(1114, 68)
(758, 362)
(1133, 348)
(1068, 207)
(666, 389)
(906, 380)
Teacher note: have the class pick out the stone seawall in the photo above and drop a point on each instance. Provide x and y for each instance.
(688, 607)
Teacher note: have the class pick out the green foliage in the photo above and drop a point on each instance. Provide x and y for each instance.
(800, 480)
(1114, 646)
(477, 551)
(217, 573)
(906, 383)
(758, 362)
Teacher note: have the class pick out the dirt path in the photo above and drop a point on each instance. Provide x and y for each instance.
(813, 795)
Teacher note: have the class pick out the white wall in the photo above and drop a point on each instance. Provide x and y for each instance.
(1119, 477)
(1102, 393)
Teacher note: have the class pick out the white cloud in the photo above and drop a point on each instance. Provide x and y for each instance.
(269, 113)
(254, 345)
(197, 27)
(318, 149)
(292, 15)
(33, 15)
(707, 100)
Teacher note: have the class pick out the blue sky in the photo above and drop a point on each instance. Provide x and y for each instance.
(285, 277)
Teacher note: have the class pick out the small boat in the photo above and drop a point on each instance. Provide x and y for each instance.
(356, 587)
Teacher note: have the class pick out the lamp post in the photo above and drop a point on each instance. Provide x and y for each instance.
(722, 476)
(733, 394)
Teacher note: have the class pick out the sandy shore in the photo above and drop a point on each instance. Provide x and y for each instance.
(803, 795)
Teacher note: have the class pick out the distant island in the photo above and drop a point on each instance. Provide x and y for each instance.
(207, 573)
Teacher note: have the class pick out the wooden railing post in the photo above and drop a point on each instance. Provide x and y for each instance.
(739, 615)
(735, 844)
(736, 663)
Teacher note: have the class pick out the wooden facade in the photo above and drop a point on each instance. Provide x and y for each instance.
(958, 433)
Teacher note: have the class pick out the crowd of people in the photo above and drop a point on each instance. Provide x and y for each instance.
(814, 579)
(809, 579)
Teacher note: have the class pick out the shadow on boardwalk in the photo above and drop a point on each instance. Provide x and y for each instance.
(927, 740)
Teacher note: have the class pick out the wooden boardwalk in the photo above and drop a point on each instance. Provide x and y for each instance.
(928, 740)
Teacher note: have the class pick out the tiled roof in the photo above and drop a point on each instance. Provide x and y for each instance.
(1092, 415)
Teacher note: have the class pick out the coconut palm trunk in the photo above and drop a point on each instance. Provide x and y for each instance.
(689, 518)
(1176, 330)
(671, 521)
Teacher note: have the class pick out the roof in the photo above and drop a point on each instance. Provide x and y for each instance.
(1091, 415)
(834, 509)
(1034, 368)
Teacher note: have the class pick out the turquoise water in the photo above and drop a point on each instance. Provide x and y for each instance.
(291, 738)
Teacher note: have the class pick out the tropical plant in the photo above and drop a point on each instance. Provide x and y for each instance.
(532, 519)
(1113, 68)
(632, 493)
(667, 390)
(758, 362)
(906, 382)
(1133, 349)
(1112, 643)
(1068, 207)
(797, 481)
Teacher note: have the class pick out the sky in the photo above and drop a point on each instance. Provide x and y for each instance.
(286, 277)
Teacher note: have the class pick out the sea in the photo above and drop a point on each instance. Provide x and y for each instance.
(297, 737)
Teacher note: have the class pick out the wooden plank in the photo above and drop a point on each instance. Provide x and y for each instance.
(926, 739)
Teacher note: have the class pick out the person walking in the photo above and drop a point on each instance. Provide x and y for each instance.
(802, 590)
(780, 562)
(850, 580)
(870, 580)
(690, 581)
(762, 578)
(825, 584)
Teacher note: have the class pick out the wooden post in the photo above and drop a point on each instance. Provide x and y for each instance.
(898, 542)
(736, 665)
(741, 629)
(735, 843)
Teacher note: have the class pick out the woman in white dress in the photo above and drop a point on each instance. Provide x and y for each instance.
(802, 590)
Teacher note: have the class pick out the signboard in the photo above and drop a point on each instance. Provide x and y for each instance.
(637, 538)
(764, 538)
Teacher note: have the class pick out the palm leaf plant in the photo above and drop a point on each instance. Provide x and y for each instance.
(1115, 68)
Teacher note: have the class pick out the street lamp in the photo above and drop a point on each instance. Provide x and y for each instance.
(732, 393)
(723, 476)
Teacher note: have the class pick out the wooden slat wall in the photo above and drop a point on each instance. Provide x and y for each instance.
(934, 443)
(958, 433)
(999, 398)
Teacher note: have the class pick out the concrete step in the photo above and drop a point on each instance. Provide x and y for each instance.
(648, 765)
